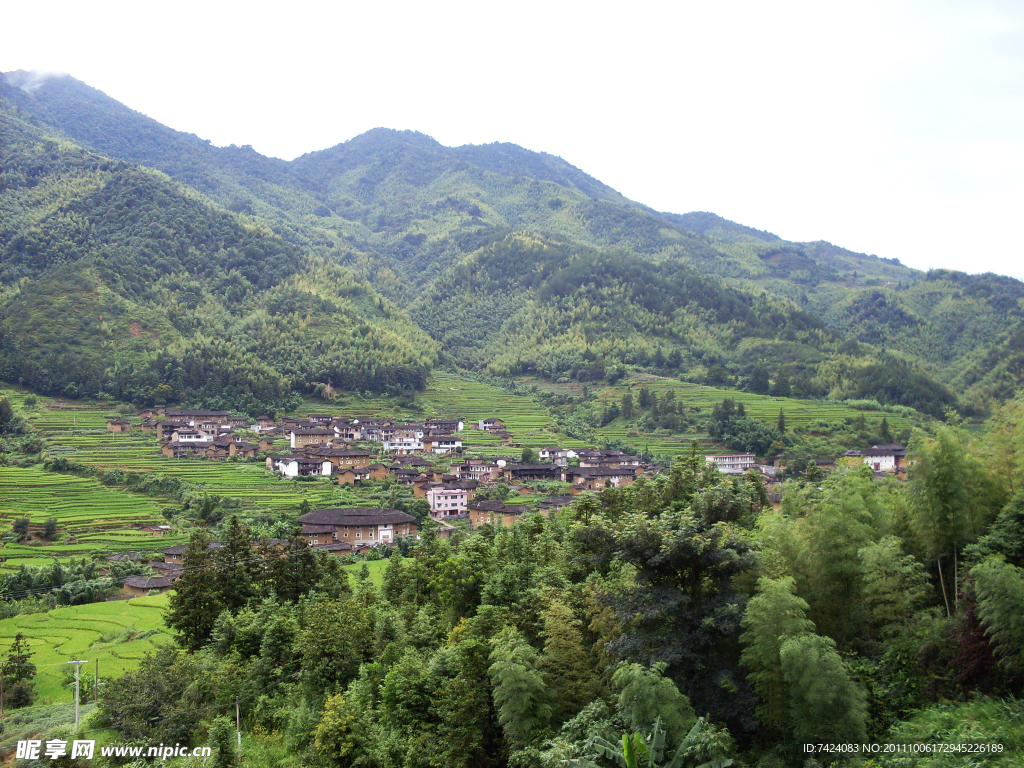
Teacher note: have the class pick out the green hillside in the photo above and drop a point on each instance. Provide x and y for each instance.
(265, 276)
(121, 281)
(117, 633)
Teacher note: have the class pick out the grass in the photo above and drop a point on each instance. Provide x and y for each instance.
(376, 568)
(117, 633)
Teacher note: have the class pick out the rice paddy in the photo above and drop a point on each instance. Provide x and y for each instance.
(117, 633)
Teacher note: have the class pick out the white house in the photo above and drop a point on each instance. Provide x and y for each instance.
(405, 441)
(883, 458)
(188, 436)
(447, 500)
(732, 462)
(296, 466)
(442, 444)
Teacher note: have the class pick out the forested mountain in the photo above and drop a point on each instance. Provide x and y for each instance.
(513, 262)
(120, 280)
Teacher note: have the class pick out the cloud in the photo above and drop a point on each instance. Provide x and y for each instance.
(30, 81)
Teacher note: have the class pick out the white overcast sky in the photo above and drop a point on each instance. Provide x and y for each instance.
(894, 128)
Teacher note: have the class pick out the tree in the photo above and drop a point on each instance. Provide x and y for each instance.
(338, 736)
(196, 601)
(895, 586)
(222, 739)
(640, 750)
(781, 386)
(1005, 536)
(520, 694)
(529, 456)
(1000, 590)
(683, 607)
(236, 570)
(6, 414)
(884, 431)
(50, 529)
(565, 662)
(646, 695)
(627, 406)
(825, 704)
(19, 690)
(781, 423)
(335, 640)
(645, 398)
(953, 499)
(758, 380)
(773, 616)
(20, 527)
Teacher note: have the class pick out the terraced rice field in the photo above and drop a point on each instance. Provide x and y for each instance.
(450, 396)
(118, 633)
(83, 507)
(77, 431)
(798, 412)
(802, 413)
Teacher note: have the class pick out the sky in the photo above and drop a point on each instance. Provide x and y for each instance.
(893, 128)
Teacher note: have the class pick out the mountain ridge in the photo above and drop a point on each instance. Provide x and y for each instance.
(406, 214)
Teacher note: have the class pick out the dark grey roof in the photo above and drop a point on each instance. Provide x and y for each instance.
(120, 557)
(181, 549)
(307, 529)
(600, 471)
(556, 501)
(499, 507)
(180, 412)
(338, 546)
(356, 516)
(141, 582)
(171, 568)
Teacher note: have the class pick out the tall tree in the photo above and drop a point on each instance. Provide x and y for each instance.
(18, 672)
(645, 695)
(520, 694)
(566, 662)
(1000, 590)
(773, 616)
(196, 601)
(954, 499)
(825, 704)
(895, 586)
(627, 406)
(236, 567)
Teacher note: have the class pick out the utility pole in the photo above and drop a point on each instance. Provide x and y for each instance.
(96, 683)
(78, 669)
(238, 729)
(2, 689)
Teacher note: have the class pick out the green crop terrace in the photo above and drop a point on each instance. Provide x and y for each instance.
(449, 396)
(77, 431)
(92, 515)
(816, 417)
(117, 633)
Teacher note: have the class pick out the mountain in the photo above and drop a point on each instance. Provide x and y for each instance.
(120, 280)
(516, 262)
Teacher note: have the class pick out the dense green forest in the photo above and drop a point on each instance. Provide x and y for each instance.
(682, 611)
(514, 262)
(120, 281)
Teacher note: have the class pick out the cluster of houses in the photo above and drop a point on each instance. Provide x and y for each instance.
(882, 459)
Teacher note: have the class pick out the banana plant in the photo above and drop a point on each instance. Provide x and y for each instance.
(640, 751)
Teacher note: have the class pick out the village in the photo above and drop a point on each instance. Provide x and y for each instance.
(429, 457)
